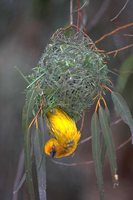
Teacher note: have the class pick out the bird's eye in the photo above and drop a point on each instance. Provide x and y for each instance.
(53, 152)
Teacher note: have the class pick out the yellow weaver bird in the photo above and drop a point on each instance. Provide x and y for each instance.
(65, 134)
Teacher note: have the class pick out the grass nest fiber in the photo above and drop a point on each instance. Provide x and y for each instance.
(70, 73)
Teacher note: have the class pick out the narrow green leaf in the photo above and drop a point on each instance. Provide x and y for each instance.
(26, 117)
(40, 165)
(122, 110)
(107, 134)
(95, 129)
(103, 144)
(103, 150)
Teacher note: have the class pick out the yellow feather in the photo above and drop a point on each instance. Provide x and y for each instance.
(64, 131)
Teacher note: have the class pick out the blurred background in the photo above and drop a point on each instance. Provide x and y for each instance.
(25, 29)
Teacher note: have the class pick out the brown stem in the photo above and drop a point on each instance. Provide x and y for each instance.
(116, 51)
(113, 32)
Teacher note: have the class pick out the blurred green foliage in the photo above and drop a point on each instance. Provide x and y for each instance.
(40, 8)
(126, 70)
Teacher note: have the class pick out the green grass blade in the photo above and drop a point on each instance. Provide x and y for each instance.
(40, 164)
(95, 129)
(23, 76)
(107, 134)
(122, 110)
(31, 84)
(26, 118)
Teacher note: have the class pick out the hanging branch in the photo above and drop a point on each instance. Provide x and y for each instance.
(116, 51)
(113, 32)
(78, 14)
(71, 12)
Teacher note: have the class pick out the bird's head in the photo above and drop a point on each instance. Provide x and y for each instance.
(53, 149)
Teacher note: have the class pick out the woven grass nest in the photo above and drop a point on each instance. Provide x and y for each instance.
(70, 72)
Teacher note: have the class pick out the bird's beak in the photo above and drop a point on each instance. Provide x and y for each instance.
(53, 152)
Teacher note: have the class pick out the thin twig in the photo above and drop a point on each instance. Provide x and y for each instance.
(35, 119)
(73, 164)
(85, 140)
(18, 183)
(111, 71)
(116, 51)
(113, 32)
(120, 11)
(78, 14)
(83, 6)
(71, 12)
(124, 143)
(117, 121)
(128, 35)
(82, 122)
